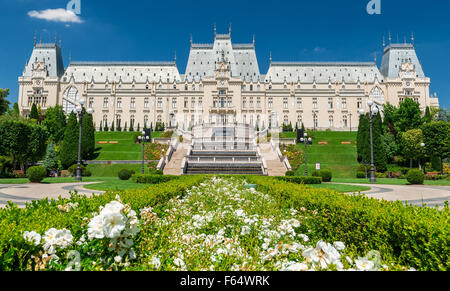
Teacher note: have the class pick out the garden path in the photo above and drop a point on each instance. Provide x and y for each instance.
(26, 193)
(413, 194)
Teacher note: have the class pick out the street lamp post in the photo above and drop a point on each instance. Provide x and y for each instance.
(372, 113)
(79, 109)
(422, 145)
(143, 139)
(305, 140)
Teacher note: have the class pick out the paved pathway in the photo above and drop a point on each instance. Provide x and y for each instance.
(413, 194)
(274, 166)
(26, 193)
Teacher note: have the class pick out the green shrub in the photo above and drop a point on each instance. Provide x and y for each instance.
(290, 173)
(124, 174)
(84, 171)
(360, 175)
(42, 215)
(380, 175)
(325, 174)
(404, 235)
(301, 180)
(415, 177)
(152, 179)
(36, 174)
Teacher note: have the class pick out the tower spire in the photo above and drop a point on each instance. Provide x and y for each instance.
(191, 39)
(56, 38)
(230, 29)
(412, 38)
(390, 38)
(175, 58)
(253, 39)
(35, 38)
(215, 30)
(384, 42)
(270, 58)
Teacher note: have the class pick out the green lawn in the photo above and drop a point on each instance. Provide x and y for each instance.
(385, 181)
(342, 188)
(334, 156)
(125, 149)
(108, 183)
(113, 170)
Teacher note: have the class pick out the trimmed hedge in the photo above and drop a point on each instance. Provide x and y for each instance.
(404, 235)
(125, 174)
(36, 174)
(152, 179)
(325, 174)
(415, 177)
(301, 180)
(44, 214)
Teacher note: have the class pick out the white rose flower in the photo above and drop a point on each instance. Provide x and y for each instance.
(339, 245)
(32, 237)
(155, 262)
(118, 259)
(113, 223)
(95, 228)
(364, 264)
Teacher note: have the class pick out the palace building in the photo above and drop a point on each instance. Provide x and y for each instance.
(222, 83)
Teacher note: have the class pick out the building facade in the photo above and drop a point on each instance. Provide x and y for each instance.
(222, 83)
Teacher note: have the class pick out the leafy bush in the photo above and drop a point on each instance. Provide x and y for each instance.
(84, 171)
(360, 175)
(152, 179)
(325, 174)
(125, 174)
(301, 180)
(380, 175)
(36, 174)
(15, 252)
(290, 173)
(404, 235)
(415, 177)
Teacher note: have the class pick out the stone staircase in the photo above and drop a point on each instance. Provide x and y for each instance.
(274, 166)
(224, 149)
(173, 167)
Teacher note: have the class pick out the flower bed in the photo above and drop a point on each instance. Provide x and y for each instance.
(216, 223)
(295, 156)
(404, 235)
(220, 226)
(66, 222)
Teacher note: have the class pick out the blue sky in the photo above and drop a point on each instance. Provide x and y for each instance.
(321, 30)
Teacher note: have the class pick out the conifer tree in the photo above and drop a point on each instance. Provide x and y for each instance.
(50, 161)
(69, 149)
(34, 112)
(88, 137)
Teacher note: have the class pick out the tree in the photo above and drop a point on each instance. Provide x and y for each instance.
(55, 123)
(379, 151)
(443, 115)
(363, 140)
(390, 145)
(34, 114)
(427, 118)
(4, 104)
(22, 140)
(88, 137)
(411, 141)
(436, 136)
(15, 111)
(69, 150)
(50, 161)
(408, 116)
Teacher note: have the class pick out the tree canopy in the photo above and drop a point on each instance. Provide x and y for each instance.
(55, 122)
(4, 104)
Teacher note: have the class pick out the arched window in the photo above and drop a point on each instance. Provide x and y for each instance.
(70, 99)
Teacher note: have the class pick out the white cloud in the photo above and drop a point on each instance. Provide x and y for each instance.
(56, 15)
